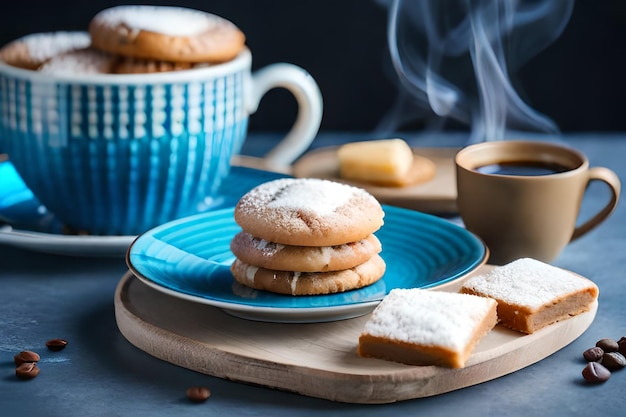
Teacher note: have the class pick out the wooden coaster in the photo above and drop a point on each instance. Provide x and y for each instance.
(431, 187)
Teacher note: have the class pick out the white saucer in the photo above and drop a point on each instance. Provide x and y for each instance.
(70, 245)
(50, 239)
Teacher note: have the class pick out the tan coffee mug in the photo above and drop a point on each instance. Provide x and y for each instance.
(523, 198)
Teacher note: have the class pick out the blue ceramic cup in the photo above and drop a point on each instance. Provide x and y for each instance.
(117, 154)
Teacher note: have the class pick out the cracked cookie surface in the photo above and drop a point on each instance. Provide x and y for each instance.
(308, 212)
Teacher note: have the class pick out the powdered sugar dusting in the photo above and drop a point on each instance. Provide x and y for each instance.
(314, 195)
(426, 317)
(173, 21)
(527, 282)
(308, 212)
(86, 61)
(309, 195)
(42, 46)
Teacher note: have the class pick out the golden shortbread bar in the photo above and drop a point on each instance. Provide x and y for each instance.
(532, 294)
(422, 327)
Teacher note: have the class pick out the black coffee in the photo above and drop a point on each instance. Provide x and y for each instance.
(522, 168)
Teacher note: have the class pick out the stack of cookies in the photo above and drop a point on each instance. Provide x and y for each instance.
(307, 237)
(131, 39)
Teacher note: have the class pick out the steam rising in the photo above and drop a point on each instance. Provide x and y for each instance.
(454, 58)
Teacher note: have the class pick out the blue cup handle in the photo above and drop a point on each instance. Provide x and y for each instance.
(309, 99)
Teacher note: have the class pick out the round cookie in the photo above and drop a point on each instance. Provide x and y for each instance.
(269, 255)
(165, 33)
(32, 51)
(309, 283)
(308, 212)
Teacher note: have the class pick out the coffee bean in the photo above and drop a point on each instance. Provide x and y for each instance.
(26, 356)
(198, 394)
(56, 345)
(596, 373)
(27, 370)
(608, 345)
(621, 343)
(613, 361)
(593, 354)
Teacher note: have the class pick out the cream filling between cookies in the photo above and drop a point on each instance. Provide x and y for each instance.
(251, 273)
(268, 248)
(294, 282)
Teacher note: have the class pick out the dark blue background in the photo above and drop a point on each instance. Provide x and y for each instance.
(578, 81)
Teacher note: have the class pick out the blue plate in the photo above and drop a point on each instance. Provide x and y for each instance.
(190, 258)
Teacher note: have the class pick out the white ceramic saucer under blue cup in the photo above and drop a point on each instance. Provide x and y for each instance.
(27, 224)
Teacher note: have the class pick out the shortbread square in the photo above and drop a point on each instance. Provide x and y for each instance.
(422, 327)
(532, 294)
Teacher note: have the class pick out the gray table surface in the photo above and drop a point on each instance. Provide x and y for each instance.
(100, 373)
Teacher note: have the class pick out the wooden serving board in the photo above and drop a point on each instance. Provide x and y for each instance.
(437, 195)
(319, 359)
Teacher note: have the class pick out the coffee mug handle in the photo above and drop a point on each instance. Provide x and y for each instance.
(309, 98)
(612, 180)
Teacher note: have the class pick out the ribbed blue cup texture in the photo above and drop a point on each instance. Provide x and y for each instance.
(120, 159)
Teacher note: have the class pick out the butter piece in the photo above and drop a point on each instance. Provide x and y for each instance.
(386, 161)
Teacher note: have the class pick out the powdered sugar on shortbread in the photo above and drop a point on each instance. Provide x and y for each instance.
(172, 21)
(527, 282)
(429, 318)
